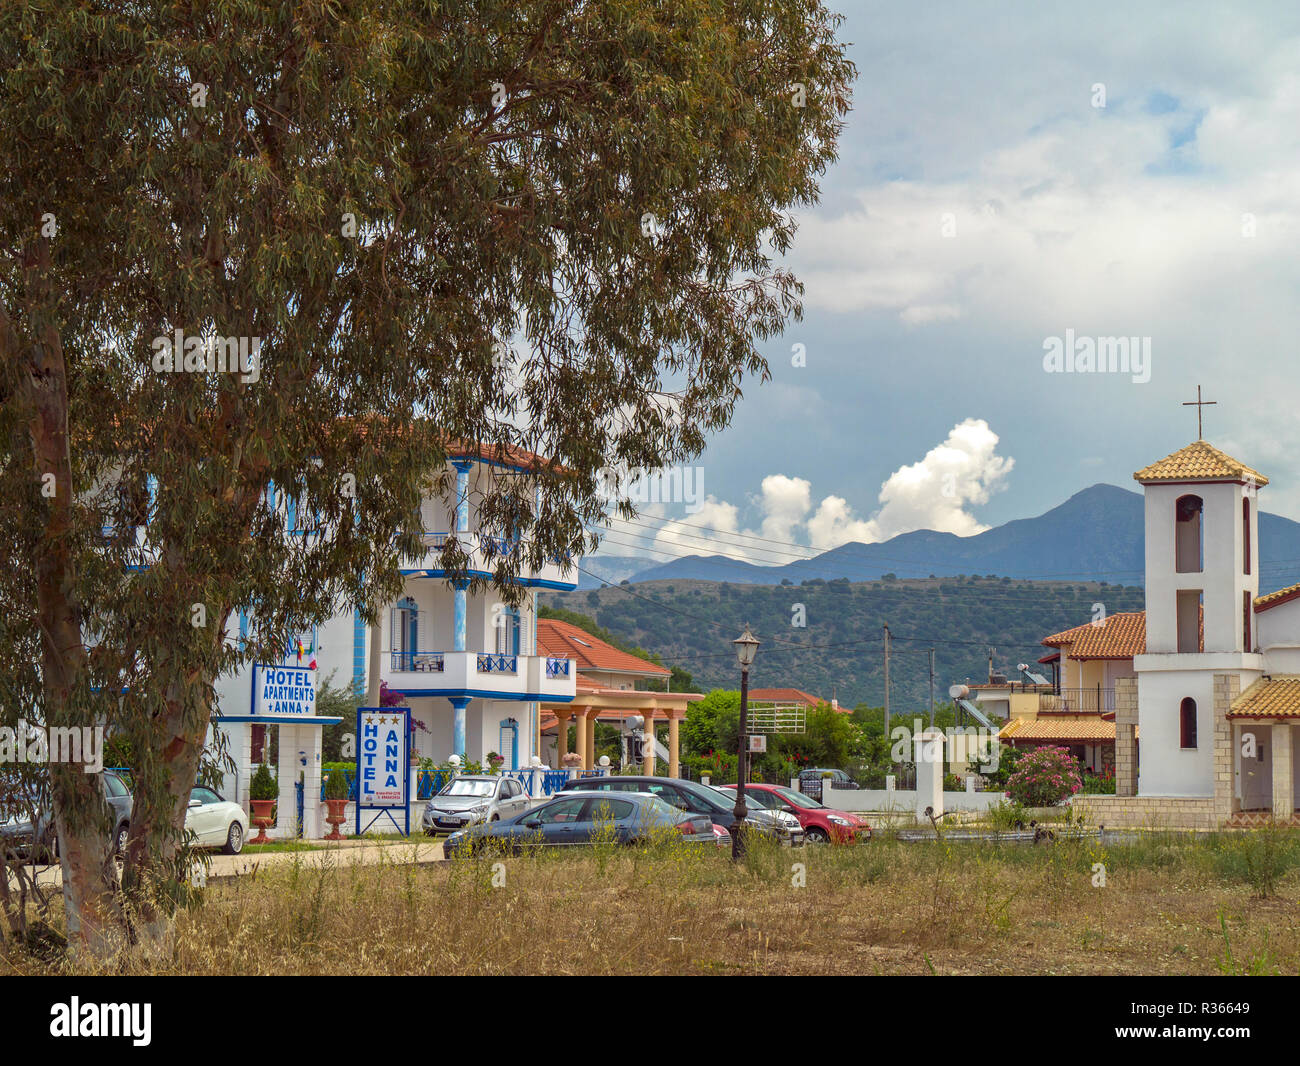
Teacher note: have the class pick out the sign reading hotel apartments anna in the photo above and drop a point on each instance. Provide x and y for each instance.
(283, 691)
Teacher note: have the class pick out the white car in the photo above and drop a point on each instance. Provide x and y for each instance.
(473, 798)
(215, 822)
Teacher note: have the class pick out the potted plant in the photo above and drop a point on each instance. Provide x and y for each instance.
(336, 799)
(262, 794)
(495, 761)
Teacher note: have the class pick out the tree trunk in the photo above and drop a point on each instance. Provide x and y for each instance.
(89, 876)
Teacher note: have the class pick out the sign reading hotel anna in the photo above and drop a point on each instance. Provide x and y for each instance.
(383, 763)
(283, 691)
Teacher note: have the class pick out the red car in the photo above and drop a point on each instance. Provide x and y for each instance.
(820, 823)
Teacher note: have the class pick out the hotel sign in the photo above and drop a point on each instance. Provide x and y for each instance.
(383, 765)
(283, 691)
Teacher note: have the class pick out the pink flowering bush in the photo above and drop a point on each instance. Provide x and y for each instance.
(1044, 777)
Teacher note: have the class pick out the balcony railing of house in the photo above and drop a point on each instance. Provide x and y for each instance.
(487, 542)
(498, 664)
(1078, 699)
(430, 662)
(557, 668)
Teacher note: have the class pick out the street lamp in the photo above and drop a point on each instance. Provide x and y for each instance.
(746, 646)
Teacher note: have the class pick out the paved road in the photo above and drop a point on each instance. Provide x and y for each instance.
(346, 853)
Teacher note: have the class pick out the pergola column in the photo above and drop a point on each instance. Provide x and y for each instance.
(674, 761)
(562, 741)
(1283, 782)
(648, 763)
(589, 746)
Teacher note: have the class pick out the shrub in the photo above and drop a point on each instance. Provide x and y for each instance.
(1259, 857)
(336, 785)
(1044, 777)
(263, 785)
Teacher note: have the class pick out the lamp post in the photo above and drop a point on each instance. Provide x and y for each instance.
(746, 646)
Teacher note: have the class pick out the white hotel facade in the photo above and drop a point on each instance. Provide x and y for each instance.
(466, 662)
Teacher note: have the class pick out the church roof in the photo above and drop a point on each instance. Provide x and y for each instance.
(1121, 635)
(1199, 461)
(1269, 697)
(1276, 599)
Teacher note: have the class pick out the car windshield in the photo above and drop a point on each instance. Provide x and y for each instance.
(464, 786)
(754, 797)
(798, 799)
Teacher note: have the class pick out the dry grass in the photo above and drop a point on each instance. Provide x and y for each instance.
(1168, 906)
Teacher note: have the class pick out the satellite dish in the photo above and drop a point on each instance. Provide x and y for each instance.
(958, 692)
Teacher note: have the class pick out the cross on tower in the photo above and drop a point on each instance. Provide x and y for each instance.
(1198, 403)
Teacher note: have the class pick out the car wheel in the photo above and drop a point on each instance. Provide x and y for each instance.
(119, 845)
(234, 839)
(816, 835)
(495, 818)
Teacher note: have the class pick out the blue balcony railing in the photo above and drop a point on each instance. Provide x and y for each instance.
(419, 662)
(498, 664)
(557, 668)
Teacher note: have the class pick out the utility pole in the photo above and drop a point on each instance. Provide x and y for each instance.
(886, 682)
(931, 688)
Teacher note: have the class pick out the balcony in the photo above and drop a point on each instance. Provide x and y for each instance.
(1078, 700)
(484, 553)
(493, 676)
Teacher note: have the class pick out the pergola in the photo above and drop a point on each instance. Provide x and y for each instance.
(594, 703)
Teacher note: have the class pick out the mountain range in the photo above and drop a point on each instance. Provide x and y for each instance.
(1095, 535)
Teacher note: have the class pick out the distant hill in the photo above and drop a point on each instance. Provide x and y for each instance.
(691, 624)
(1095, 535)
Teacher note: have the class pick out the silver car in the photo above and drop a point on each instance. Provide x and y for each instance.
(471, 799)
(781, 824)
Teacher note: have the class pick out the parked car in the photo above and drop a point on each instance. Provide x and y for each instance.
(810, 781)
(781, 824)
(469, 799)
(28, 829)
(688, 796)
(216, 822)
(575, 817)
(820, 823)
(119, 799)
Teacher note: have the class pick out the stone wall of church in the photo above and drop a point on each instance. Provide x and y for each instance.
(1126, 720)
(1227, 687)
(1147, 812)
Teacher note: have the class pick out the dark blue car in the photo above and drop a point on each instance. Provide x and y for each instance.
(576, 818)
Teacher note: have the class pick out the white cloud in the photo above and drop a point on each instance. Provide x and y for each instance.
(936, 492)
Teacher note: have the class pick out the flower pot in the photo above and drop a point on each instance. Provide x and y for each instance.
(263, 817)
(336, 817)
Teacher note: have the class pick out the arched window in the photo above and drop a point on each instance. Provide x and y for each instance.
(1187, 723)
(1187, 534)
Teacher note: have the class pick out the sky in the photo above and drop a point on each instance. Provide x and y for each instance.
(1016, 179)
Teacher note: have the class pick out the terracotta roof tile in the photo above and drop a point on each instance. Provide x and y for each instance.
(561, 640)
(1269, 697)
(1276, 599)
(1119, 636)
(1199, 461)
(1085, 728)
(783, 695)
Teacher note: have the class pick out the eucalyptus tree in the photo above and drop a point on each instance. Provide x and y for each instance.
(368, 230)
